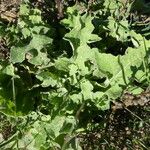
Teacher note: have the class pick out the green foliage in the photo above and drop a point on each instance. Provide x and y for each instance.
(41, 132)
(61, 74)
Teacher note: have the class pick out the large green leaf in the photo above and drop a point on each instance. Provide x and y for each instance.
(48, 79)
(84, 54)
(32, 52)
(62, 64)
(81, 32)
(39, 41)
(86, 89)
(17, 54)
(118, 69)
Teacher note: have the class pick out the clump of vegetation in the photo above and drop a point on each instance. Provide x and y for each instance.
(74, 74)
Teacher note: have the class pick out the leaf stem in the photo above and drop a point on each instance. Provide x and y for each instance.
(14, 92)
(145, 63)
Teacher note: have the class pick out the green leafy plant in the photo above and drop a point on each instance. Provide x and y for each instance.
(56, 71)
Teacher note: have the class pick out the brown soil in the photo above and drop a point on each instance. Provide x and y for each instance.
(122, 128)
